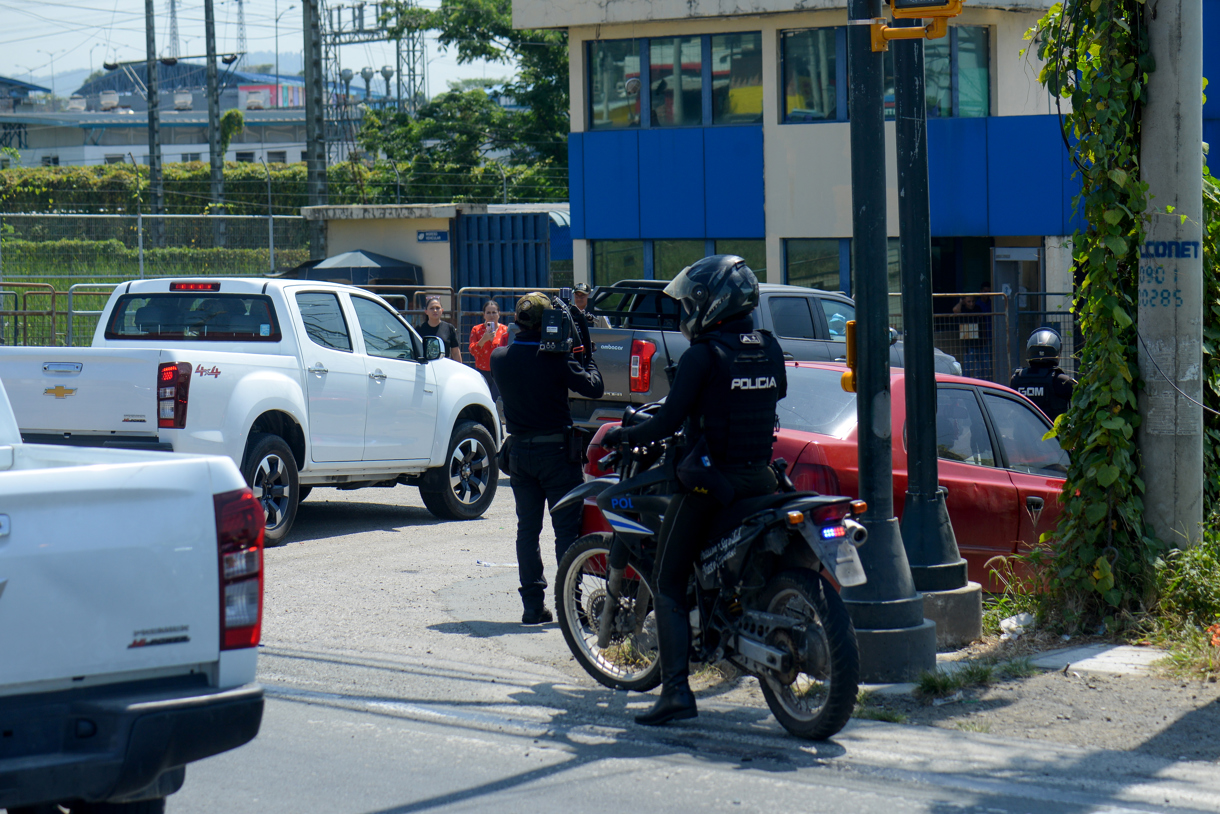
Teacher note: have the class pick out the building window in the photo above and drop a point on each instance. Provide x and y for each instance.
(675, 71)
(187, 157)
(692, 81)
(614, 84)
(615, 260)
(50, 161)
(811, 75)
(245, 158)
(669, 257)
(754, 252)
(277, 156)
(814, 66)
(737, 78)
(115, 159)
(815, 263)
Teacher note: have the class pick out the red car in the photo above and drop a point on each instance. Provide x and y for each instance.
(1004, 480)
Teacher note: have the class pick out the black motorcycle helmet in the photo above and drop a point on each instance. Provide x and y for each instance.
(1043, 347)
(716, 289)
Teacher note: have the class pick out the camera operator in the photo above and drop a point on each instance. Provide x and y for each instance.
(543, 450)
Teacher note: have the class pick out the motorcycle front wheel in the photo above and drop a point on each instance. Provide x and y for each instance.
(814, 699)
(631, 659)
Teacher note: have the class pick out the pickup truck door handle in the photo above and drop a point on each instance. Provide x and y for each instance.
(317, 368)
(61, 367)
(378, 375)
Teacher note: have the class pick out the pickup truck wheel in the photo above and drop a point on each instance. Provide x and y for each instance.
(271, 472)
(464, 487)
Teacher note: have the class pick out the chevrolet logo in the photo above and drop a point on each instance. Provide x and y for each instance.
(59, 391)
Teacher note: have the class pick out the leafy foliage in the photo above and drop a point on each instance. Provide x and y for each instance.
(1188, 583)
(1096, 55)
(231, 123)
(1211, 348)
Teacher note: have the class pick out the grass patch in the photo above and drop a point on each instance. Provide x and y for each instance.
(937, 684)
(867, 709)
(1186, 620)
(973, 726)
(1018, 668)
(940, 683)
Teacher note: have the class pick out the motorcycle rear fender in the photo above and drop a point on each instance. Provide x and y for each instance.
(592, 489)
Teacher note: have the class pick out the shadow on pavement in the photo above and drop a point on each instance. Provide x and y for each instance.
(485, 630)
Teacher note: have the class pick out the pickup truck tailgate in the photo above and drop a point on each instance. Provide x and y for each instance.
(613, 357)
(145, 600)
(93, 390)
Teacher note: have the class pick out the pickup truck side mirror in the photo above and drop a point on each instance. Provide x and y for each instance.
(893, 336)
(433, 348)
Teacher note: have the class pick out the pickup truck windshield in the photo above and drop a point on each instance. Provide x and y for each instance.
(206, 317)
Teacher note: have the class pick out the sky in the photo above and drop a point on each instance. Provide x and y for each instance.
(69, 38)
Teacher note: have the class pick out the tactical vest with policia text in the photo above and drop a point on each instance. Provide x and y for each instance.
(736, 412)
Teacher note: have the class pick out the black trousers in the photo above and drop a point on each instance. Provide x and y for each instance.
(540, 475)
(683, 535)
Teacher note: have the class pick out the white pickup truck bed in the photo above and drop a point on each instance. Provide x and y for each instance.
(113, 672)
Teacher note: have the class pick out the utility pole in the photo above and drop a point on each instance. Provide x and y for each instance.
(896, 642)
(215, 157)
(315, 124)
(155, 183)
(937, 567)
(1171, 276)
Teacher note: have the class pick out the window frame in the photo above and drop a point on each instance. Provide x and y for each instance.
(416, 341)
(983, 392)
(644, 49)
(997, 460)
(342, 315)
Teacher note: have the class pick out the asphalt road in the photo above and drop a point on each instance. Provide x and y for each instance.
(400, 680)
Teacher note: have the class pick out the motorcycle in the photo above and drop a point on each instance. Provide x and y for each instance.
(758, 596)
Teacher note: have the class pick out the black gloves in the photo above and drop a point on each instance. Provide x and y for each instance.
(614, 436)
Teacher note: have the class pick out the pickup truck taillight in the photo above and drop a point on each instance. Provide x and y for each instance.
(173, 386)
(239, 536)
(642, 352)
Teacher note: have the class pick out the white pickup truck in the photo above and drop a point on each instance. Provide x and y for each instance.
(131, 588)
(302, 384)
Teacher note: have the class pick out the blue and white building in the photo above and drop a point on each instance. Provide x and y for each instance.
(708, 126)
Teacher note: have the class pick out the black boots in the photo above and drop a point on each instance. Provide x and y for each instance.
(677, 702)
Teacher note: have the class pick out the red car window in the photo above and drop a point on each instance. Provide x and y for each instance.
(961, 431)
(1020, 431)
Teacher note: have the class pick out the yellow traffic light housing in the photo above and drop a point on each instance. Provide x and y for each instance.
(937, 12)
(848, 381)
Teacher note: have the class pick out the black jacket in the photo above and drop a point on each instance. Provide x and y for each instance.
(727, 384)
(1048, 387)
(534, 385)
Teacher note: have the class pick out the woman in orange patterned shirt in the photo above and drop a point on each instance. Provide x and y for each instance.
(486, 337)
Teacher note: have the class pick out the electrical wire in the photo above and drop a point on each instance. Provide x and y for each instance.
(1170, 381)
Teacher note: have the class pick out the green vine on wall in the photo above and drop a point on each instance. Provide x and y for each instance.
(1096, 55)
(1211, 347)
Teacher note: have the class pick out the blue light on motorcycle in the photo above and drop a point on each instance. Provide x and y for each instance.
(830, 532)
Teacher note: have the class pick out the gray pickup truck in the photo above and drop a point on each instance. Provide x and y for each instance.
(633, 353)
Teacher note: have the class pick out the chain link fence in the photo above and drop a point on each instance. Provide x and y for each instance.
(65, 249)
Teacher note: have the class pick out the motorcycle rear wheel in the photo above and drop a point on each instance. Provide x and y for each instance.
(632, 659)
(817, 700)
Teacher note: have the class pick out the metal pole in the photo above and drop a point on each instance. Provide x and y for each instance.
(214, 155)
(155, 184)
(896, 642)
(936, 564)
(270, 214)
(1171, 276)
(315, 124)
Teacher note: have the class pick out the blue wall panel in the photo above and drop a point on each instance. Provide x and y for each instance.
(576, 182)
(957, 176)
(733, 167)
(671, 183)
(1211, 134)
(1024, 175)
(612, 185)
(501, 250)
(1072, 219)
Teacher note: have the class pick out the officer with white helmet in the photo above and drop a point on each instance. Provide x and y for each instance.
(1043, 382)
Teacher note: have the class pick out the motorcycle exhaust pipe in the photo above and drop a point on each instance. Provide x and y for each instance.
(857, 535)
(605, 625)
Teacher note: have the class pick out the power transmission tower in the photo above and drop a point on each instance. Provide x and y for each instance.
(173, 29)
(354, 24)
(241, 34)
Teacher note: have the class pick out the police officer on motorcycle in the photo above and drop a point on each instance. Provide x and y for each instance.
(1043, 382)
(725, 390)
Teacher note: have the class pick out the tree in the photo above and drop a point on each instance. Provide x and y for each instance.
(483, 30)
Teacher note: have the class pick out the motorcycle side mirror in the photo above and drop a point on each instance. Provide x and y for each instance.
(433, 348)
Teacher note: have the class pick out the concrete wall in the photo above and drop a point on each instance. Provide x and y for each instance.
(395, 237)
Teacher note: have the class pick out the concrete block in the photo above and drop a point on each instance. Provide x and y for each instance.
(958, 615)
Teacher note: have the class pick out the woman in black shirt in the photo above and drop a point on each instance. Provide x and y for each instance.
(433, 326)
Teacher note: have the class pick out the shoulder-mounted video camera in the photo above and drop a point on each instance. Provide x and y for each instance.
(564, 328)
